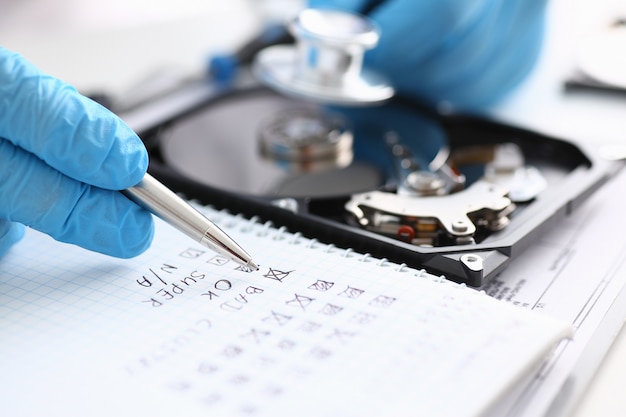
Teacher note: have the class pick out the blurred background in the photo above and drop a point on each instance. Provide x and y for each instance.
(116, 46)
(113, 46)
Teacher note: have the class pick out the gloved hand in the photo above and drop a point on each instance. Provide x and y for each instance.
(62, 156)
(468, 53)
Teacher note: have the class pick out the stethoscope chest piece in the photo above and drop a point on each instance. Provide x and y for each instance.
(326, 63)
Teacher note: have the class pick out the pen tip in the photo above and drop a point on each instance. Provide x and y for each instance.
(253, 266)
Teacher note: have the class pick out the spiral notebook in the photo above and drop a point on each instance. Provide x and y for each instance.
(317, 331)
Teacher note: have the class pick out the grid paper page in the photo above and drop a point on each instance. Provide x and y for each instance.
(317, 330)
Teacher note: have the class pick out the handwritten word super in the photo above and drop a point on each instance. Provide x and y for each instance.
(171, 283)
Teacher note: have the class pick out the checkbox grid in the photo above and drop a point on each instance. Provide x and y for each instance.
(204, 335)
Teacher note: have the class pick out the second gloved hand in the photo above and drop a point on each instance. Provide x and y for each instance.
(468, 53)
(63, 159)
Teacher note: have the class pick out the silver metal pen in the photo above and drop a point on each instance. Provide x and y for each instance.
(164, 203)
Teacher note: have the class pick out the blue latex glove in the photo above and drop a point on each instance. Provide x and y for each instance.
(61, 155)
(468, 53)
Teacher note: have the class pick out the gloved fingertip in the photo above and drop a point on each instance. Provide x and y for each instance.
(119, 158)
(10, 233)
(101, 221)
(135, 235)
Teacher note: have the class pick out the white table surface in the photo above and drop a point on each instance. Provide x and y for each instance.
(111, 46)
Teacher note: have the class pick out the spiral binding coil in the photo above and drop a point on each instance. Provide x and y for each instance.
(246, 225)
